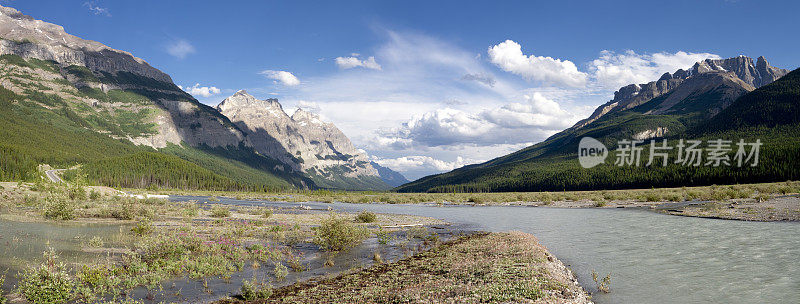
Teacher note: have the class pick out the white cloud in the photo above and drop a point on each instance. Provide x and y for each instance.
(94, 8)
(509, 57)
(434, 99)
(309, 106)
(180, 48)
(481, 78)
(614, 70)
(197, 90)
(409, 163)
(529, 120)
(284, 77)
(353, 62)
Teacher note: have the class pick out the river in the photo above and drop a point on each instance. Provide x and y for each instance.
(652, 258)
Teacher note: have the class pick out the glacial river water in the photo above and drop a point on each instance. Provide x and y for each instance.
(652, 258)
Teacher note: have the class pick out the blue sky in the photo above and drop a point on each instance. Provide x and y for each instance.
(427, 86)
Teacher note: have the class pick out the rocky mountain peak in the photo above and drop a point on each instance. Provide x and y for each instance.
(306, 118)
(755, 74)
(242, 101)
(741, 71)
(30, 38)
(302, 141)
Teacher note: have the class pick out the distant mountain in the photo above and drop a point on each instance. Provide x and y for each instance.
(65, 101)
(713, 95)
(389, 176)
(303, 142)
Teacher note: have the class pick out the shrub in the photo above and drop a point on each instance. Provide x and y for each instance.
(281, 271)
(76, 192)
(125, 211)
(475, 199)
(191, 210)
(268, 213)
(60, 210)
(366, 217)
(94, 195)
(600, 204)
(3, 299)
(220, 211)
(48, 283)
(252, 290)
(95, 242)
(337, 234)
(384, 237)
(142, 228)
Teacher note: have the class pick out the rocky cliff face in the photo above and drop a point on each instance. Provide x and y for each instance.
(302, 141)
(739, 73)
(30, 38)
(90, 73)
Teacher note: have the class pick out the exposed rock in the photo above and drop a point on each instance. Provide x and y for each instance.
(302, 141)
(180, 118)
(740, 70)
(30, 38)
(653, 133)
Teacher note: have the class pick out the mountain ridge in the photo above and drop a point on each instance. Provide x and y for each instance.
(303, 141)
(89, 87)
(669, 108)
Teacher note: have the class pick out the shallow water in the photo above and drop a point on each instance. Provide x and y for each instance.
(23, 242)
(652, 258)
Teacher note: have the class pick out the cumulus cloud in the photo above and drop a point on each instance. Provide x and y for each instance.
(180, 48)
(614, 70)
(509, 57)
(284, 77)
(94, 8)
(530, 120)
(197, 90)
(416, 162)
(353, 62)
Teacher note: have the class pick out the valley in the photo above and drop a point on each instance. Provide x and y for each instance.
(117, 185)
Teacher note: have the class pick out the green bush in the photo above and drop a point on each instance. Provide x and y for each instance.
(475, 199)
(142, 228)
(268, 213)
(125, 211)
(60, 210)
(95, 242)
(337, 234)
(252, 291)
(94, 195)
(48, 283)
(280, 271)
(220, 211)
(3, 299)
(76, 192)
(366, 217)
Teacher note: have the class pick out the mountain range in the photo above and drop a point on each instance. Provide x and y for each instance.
(733, 98)
(74, 103)
(68, 101)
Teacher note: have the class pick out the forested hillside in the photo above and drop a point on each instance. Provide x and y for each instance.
(770, 113)
(50, 122)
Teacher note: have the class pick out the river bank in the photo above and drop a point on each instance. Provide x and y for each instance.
(750, 202)
(95, 247)
(481, 268)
